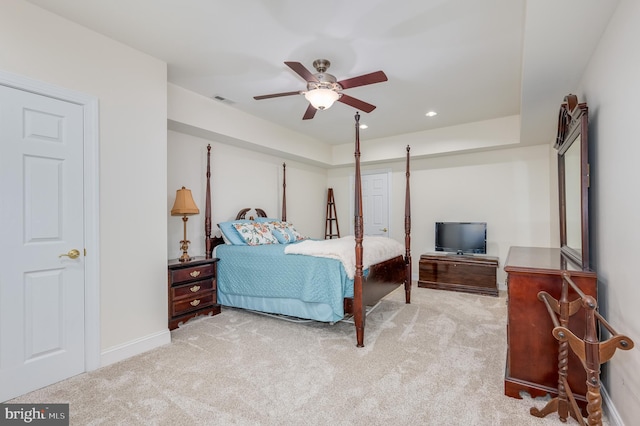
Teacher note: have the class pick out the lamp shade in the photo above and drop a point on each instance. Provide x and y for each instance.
(184, 204)
(322, 98)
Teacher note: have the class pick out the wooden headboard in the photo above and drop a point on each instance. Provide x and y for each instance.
(243, 213)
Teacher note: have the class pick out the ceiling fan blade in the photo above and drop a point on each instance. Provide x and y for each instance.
(276, 95)
(356, 103)
(309, 113)
(302, 71)
(371, 78)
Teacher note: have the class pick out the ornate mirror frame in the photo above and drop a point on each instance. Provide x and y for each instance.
(573, 180)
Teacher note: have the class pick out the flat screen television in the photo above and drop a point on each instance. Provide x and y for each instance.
(461, 237)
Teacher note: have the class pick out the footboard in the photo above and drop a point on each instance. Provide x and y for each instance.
(382, 279)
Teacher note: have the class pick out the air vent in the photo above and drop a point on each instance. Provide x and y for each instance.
(222, 99)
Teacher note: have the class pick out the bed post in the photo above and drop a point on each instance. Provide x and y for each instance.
(407, 233)
(358, 307)
(208, 241)
(284, 192)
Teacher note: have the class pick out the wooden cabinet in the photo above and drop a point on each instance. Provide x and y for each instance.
(532, 351)
(192, 290)
(471, 274)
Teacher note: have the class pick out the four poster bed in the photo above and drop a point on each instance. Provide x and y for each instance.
(265, 265)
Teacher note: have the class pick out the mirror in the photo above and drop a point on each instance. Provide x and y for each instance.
(573, 180)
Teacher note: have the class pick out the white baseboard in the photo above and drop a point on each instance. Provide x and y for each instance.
(135, 347)
(609, 409)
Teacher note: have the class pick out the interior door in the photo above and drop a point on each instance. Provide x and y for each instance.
(42, 279)
(375, 204)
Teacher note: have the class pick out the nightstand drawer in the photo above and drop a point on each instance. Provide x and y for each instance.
(190, 274)
(192, 304)
(191, 289)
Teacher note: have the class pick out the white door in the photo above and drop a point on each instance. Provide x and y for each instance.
(375, 204)
(42, 300)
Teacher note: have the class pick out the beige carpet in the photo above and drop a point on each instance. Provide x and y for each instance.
(438, 361)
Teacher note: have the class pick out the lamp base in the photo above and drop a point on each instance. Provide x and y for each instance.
(184, 246)
(185, 258)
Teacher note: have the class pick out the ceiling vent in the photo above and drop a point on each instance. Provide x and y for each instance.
(222, 99)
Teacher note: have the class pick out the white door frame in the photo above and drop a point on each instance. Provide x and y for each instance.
(352, 181)
(91, 202)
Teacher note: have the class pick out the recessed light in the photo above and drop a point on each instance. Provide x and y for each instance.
(431, 114)
(364, 126)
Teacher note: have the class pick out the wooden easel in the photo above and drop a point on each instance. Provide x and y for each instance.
(589, 350)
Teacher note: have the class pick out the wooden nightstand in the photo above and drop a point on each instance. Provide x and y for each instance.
(192, 290)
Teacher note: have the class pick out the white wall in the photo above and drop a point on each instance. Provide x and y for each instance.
(497, 133)
(611, 86)
(195, 114)
(240, 178)
(508, 189)
(131, 88)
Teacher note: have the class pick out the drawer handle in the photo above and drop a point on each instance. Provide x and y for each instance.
(195, 288)
(194, 273)
(195, 302)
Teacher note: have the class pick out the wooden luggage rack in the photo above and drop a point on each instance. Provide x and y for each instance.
(332, 218)
(589, 350)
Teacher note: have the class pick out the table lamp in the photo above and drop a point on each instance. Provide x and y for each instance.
(184, 206)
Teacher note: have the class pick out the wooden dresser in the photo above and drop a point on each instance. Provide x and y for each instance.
(192, 290)
(532, 351)
(470, 274)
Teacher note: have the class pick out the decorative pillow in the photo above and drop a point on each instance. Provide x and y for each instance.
(279, 230)
(230, 234)
(298, 236)
(255, 234)
(285, 232)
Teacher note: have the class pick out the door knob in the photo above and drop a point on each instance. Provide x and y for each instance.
(384, 229)
(73, 254)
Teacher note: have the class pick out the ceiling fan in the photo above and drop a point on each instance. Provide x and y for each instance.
(323, 89)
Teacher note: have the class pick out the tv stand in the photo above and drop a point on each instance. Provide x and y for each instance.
(466, 273)
(459, 255)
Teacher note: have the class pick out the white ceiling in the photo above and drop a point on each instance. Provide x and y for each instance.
(469, 60)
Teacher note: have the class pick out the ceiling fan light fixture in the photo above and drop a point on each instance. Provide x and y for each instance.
(323, 89)
(322, 98)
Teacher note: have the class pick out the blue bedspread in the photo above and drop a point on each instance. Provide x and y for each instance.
(266, 271)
